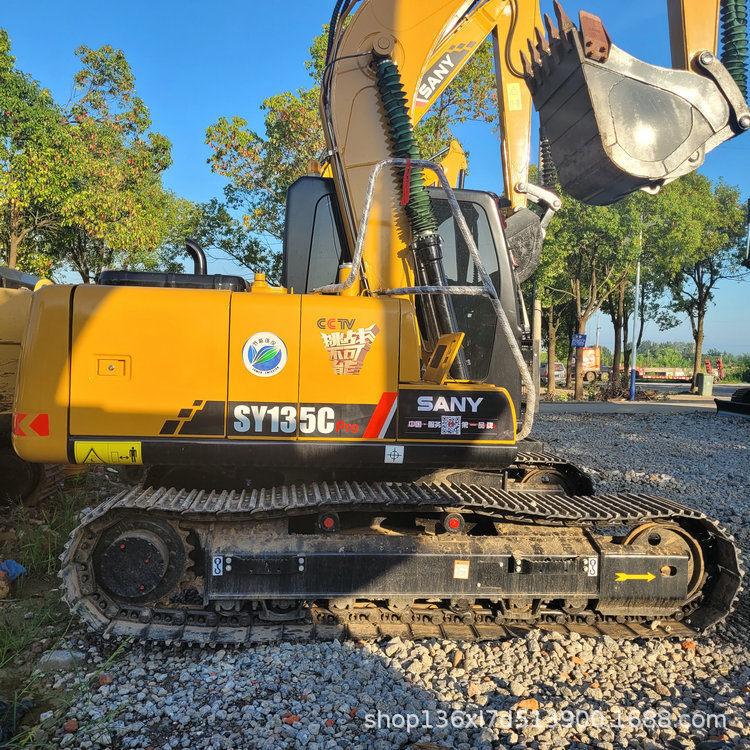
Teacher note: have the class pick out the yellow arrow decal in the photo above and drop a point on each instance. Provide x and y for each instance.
(634, 577)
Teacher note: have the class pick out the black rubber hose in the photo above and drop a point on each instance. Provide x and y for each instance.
(734, 41)
(418, 208)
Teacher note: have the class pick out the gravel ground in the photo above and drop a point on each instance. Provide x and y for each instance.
(543, 691)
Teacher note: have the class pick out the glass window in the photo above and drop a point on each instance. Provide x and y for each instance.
(325, 249)
(474, 315)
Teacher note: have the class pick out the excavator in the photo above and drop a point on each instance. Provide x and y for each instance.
(359, 437)
(20, 480)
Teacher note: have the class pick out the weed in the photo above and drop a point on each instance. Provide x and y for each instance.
(41, 533)
(39, 736)
(24, 622)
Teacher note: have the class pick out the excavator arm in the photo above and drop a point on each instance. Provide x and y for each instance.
(615, 124)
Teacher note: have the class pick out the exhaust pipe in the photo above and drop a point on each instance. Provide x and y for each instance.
(195, 251)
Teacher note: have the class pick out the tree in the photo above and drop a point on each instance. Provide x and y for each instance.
(260, 167)
(550, 283)
(32, 176)
(589, 241)
(216, 229)
(81, 183)
(706, 228)
(118, 211)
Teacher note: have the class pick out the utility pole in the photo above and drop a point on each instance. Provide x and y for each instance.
(536, 344)
(598, 320)
(635, 323)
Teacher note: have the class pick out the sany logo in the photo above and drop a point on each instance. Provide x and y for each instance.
(454, 403)
(333, 324)
(431, 80)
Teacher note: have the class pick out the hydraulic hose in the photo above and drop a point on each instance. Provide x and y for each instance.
(734, 41)
(436, 312)
(418, 207)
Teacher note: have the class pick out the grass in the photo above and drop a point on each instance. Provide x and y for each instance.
(35, 537)
(27, 621)
(41, 533)
(39, 539)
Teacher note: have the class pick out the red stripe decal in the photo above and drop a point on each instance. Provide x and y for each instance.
(17, 420)
(40, 425)
(382, 410)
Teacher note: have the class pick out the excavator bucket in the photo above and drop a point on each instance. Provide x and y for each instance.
(616, 124)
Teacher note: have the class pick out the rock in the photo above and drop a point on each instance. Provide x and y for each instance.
(60, 660)
(517, 689)
(105, 678)
(70, 726)
(529, 704)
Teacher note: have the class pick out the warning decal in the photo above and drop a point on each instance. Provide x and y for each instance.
(98, 452)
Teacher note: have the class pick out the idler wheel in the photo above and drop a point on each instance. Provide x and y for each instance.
(139, 561)
(671, 535)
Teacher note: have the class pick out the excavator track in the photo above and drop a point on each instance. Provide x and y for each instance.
(184, 614)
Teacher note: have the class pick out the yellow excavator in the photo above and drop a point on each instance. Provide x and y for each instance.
(357, 439)
(20, 480)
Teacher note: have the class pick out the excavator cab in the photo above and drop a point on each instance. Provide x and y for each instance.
(616, 124)
(313, 243)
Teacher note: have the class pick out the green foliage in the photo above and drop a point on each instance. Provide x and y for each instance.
(261, 166)
(81, 183)
(216, 229)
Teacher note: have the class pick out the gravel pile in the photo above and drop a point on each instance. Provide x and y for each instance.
(543, 691)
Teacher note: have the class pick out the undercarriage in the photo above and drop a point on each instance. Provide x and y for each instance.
(367, 560)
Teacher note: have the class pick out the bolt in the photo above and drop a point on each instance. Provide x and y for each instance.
(744, 122)
(705, 58)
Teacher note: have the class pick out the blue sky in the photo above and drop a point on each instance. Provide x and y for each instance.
(195, 62)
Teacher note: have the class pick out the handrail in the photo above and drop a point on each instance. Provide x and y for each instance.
(487, 288)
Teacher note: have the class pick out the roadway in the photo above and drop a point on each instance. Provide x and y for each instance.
(674, 398)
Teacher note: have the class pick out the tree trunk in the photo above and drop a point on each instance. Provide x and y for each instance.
(697, 362)
(578, 393)
(551, 347)
(15, 236)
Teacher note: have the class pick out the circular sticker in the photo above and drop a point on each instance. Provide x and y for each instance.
(264, 354)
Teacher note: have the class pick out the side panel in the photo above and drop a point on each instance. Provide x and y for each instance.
(349, 367)
(41, 405)
(149, 362)
(264, 355)
(15, 306)
(456, 412)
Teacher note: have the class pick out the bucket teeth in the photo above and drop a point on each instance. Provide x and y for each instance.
(548, 50)
(526, 67)
(537, 74)
(541, 42)
(555, 41)
(563, 21)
